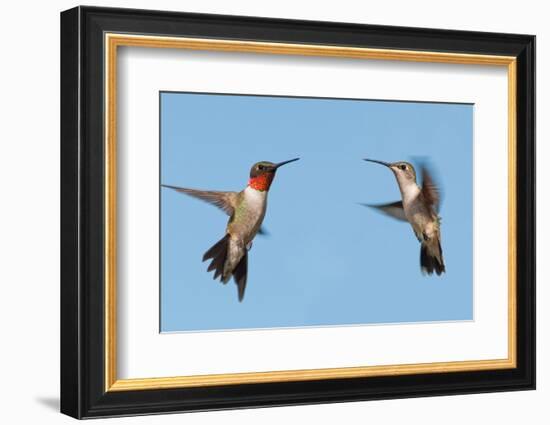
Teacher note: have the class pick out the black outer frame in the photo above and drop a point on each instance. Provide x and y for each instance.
(82, 220)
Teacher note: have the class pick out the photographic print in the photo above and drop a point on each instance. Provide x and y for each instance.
(280, 212)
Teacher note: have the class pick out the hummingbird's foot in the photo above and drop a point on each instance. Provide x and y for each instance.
(249, 246)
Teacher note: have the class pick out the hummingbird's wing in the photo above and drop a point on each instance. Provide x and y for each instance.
(225, 201)
(430, 191)
(395, 209)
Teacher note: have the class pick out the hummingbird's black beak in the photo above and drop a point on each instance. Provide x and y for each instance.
(284, 162)
(387, 164)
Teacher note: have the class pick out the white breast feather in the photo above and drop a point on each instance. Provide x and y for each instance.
(254, 197)
(410, 192)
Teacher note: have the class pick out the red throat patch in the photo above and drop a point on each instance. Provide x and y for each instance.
(261, 182)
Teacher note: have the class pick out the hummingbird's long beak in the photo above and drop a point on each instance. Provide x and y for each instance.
(284, 162)
(387, 164)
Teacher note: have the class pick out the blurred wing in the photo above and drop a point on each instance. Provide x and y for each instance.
(430, 191)
(225, 201)
(395, 209)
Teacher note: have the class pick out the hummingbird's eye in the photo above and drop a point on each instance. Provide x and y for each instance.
(403, 167)
(260, 167)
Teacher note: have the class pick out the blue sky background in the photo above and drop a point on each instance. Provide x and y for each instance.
(327, 260)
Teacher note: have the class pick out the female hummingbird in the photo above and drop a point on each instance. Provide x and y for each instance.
(419, 206)
(246, 210)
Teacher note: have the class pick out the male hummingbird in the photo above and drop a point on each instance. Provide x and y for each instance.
(419, 206)
(246, 210)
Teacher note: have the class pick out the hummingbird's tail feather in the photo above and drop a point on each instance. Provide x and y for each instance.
(431, 257)
(240, 274)
(218, 253)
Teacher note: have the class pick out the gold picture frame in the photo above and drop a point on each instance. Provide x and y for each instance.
(114, 41)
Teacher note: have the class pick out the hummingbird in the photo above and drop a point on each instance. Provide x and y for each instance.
(246, 210)
(419, 206)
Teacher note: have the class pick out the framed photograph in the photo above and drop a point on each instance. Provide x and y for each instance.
(261, 212)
